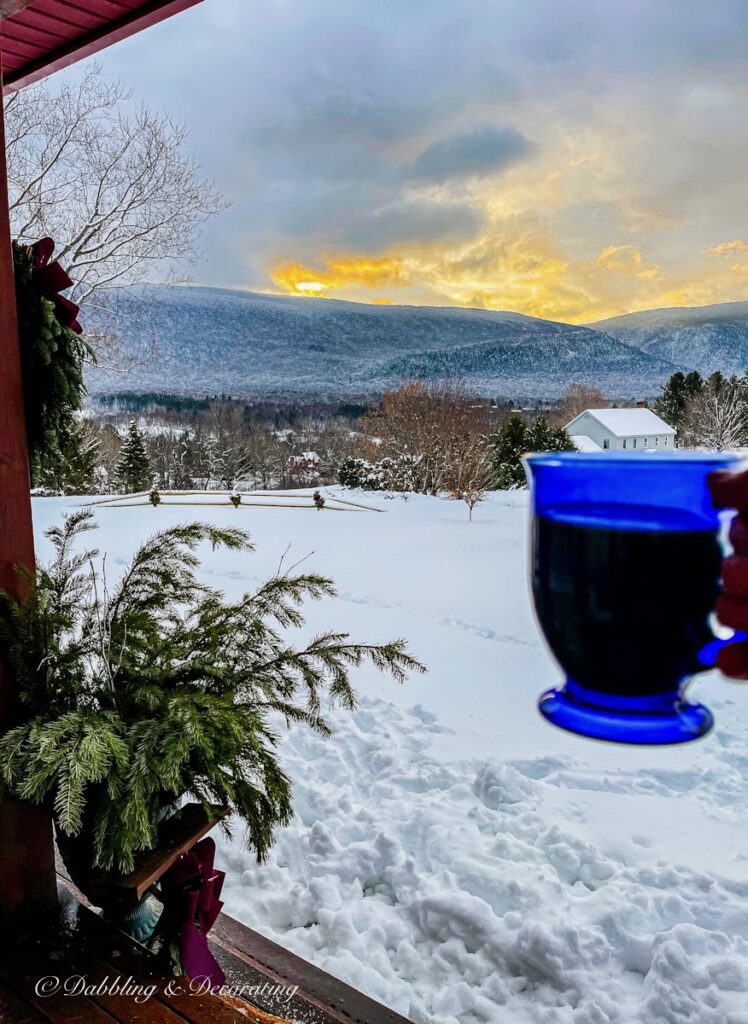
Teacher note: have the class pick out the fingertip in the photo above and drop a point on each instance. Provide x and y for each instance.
(739, 534)
(735, 576)
(733, 612)
(732, 660)
(729, 488)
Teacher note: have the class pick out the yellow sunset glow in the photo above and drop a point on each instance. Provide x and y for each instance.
(526, 272)
(310, 286)
(569, 237)
(339, 272)
(524, 269)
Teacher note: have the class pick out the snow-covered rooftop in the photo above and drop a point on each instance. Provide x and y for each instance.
(628, 422)
(585, 444)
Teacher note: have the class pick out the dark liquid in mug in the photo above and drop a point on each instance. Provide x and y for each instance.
(624, 610)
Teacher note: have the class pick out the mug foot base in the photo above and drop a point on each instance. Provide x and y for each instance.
(666, 718)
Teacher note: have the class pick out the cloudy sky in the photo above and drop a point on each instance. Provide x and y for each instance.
(571, 159)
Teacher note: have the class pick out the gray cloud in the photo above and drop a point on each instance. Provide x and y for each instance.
(412, 220)
(322, 121)
(478, 153)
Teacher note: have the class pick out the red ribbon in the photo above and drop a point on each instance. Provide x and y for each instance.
(191, 889)
(52, 278)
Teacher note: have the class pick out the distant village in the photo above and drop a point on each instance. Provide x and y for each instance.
(423, 437)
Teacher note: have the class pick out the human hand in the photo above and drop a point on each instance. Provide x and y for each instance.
(729, 489)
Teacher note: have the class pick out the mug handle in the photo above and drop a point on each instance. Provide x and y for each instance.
(707, 656)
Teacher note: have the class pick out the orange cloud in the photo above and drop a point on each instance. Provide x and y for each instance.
(519, 265)
(530, 257)
(576, 235)
(338, 272)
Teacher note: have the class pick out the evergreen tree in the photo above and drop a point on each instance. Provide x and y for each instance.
(510, 444)
(134, 472)
(719, 384)
(676, 393)
(542, 437)
(68, 466)
(185, 462)
(515, 438)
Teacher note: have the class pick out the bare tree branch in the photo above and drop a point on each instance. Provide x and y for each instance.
(716, 418)
(110, 182)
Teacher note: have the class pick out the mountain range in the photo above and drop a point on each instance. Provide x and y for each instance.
(704, 338)
(197, 341)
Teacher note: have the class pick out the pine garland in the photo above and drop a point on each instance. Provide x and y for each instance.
(52, 358)
(160, 687)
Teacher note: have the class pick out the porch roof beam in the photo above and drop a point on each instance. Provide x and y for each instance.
(79, 42)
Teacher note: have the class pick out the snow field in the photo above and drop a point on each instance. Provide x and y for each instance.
(452, 854)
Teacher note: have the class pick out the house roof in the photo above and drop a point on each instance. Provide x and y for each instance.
(38, 37)
(626, 422)
(582, 443)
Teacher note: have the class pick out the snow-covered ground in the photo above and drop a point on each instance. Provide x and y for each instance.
(453, 855)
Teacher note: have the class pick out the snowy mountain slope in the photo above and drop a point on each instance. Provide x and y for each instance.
(704, 338)
(540, 366)
(211, 340)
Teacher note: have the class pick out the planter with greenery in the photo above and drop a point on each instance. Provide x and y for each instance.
(139, 693)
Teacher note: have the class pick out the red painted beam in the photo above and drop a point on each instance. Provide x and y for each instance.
(86, 44)
(27, 874)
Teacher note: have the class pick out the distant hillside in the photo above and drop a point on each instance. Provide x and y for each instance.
(196, 341)
(541, 366)
(704, 338)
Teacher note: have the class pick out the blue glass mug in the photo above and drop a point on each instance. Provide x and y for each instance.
(625, 567)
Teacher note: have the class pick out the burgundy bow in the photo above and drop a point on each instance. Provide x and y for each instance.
(192, 890)
(52, 278)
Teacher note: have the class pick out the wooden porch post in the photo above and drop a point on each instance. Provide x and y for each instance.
(27, 876)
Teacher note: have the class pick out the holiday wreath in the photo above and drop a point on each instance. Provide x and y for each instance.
(52, 351)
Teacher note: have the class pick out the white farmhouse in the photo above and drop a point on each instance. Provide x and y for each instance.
(620, 430)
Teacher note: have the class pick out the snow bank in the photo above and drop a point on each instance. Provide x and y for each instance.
(462, 893)
(453, 855)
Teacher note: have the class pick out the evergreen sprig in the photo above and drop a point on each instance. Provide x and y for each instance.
(161, 687)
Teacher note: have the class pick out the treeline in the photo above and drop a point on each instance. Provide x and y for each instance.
(220, 447)
(136, 401)
(425, 438)
(440, 439)
(277, 411)
(707, 412)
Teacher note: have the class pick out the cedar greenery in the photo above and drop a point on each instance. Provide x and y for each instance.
(161, 687)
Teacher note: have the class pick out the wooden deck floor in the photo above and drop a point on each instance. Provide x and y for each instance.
(79, 970)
